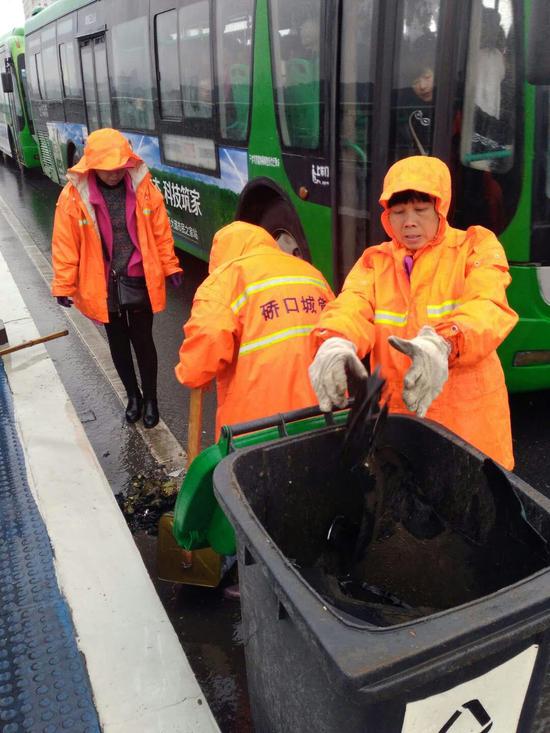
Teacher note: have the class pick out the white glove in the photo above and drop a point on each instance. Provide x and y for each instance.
(327, 372)
(429, 369)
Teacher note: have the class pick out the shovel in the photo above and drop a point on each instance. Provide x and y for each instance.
(174, 564)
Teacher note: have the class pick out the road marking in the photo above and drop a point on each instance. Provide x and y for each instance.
(161, 442)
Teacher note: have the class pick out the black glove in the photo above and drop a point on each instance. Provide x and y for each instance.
(64, 300)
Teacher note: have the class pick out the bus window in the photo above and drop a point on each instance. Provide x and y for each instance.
(414, 83)
(131, 75)
(486, 179)
(234, 39)
(35, 76)
(545, 158)
(488, 125)
(196, 60)
(69, 70)
(17, 101)
(540, 242)
(86, 55)
(102, 81)
(296, 33)
(50, 69)
(355, 111)
(23, 76)
(166, 27)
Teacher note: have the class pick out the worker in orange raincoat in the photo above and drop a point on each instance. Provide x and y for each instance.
(430, 308)
(110, 226)
(250, 325)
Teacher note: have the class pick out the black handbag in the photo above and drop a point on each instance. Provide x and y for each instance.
(131, 292)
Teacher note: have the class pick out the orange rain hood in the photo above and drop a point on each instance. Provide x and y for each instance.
(106, 150)
(418, 173)
(235, 240)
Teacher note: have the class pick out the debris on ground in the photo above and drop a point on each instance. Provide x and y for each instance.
(147, 498)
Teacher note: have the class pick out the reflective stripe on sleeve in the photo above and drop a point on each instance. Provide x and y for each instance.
(441, 309)
(390, 318)
(275, 338)
(274, 282)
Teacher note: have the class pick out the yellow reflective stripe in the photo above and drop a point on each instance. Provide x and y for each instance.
(273, 282)
(146, 212)
(390, 318)
(275, 338)
(434, 311)
(82, 222)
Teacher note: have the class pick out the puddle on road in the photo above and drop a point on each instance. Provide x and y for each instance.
(209, 629)
(207, 624)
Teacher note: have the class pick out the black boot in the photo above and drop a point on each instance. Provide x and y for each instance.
(133, 408)
(150, 413)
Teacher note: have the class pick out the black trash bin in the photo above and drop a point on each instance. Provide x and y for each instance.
(479, 665)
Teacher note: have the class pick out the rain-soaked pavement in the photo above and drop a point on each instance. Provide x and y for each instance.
(207, 624)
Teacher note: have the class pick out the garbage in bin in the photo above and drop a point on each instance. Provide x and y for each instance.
(448, 603)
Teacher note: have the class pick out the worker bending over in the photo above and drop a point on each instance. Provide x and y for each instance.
(430, 308)
(250, 326)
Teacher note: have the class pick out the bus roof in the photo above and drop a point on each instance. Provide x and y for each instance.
(52, 12)
(14, 38)
(13, 32)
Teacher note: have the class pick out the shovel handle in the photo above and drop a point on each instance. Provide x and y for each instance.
(194, 432)
(33, 342)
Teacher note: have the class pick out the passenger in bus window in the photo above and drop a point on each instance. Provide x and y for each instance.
(429, 307)
(415, 110)
(490, 150)
(415, 102)
(309, 37)
(112, 249)
(491, 67)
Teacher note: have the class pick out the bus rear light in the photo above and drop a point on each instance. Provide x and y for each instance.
(531, 358)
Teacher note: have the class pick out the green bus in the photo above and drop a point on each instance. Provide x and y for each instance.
(287, 114)
(16, 131)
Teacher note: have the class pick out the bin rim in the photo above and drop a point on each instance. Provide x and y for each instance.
(408, 645)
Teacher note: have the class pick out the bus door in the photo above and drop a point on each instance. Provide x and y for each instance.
(93, 56)
(409, 82)
(16, 112)
(302, 46)
(17, 108)
(486, 154)
(394, 67)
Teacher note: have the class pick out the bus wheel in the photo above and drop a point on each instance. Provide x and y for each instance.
(283, 224)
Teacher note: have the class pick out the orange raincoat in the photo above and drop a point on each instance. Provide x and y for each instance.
(250, 324)
(77, 255)
(457, 287)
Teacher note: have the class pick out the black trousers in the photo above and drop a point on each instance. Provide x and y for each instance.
(134, 328)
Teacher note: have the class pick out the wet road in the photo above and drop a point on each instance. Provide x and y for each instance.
(207, 624)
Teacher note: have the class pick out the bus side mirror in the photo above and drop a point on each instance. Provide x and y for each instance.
(7, 82)
(538, 47)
